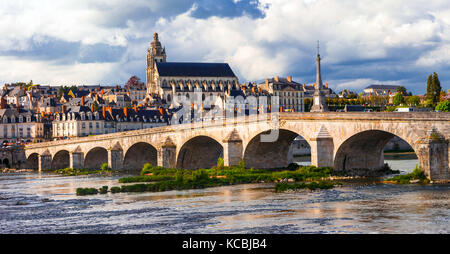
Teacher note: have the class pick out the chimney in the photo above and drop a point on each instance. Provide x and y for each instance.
(2, 103)
(92, 107)
(104, 112)
(82, 100)
(289, 78)
(267, 82)
(64, 108)
(326, 84)
(276, 78)
(125, 112)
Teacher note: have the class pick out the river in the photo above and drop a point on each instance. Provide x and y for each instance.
(46, 203)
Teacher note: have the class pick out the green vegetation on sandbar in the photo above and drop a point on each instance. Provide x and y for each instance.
(281, 187)
(234, 174)
(166, 179)
(81, 171)
(417, 176)
(86, 191)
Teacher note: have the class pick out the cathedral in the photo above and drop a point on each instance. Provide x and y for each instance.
(170, 79)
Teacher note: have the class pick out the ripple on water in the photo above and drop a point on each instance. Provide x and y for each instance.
(45, 203)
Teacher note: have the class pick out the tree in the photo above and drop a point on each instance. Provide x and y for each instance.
(443, 106)
(414, 100)
(401, 89)
(95, 106)
(433, 88)
(398, 99)
(134, 81)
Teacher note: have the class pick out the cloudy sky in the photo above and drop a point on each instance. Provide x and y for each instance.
(362, 42)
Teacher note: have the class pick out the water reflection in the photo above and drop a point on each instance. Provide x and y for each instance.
(358, 207)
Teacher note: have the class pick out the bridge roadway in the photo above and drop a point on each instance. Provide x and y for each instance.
(338, 139)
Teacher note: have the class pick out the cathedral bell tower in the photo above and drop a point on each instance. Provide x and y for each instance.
(156, 53)
(319, 104)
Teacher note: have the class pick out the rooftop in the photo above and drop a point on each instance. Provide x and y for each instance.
(174, 69)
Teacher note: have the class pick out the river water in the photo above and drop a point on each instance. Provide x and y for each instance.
(46, 203)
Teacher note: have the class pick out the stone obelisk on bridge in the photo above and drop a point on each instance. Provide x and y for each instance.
(319, 104)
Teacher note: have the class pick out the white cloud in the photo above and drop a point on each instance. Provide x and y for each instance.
(43, 72)
(282, 42)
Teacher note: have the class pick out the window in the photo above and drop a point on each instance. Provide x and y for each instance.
(90, 125)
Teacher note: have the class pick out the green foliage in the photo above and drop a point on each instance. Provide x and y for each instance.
(417, 174)
(64, 90)
(414, 100)
(401, 90)
(95, 105)
(429, 103)
(200, 175)
(152, 178)
(433, 89)
(390, 108)
(241, 164)
(220, 163)
(179, 176)
(115, 189)
(103, 190)
(104, 166)
(80, 171)
(147, 169)
(443, 106)
(398, 99)
(86, 191)
(281, 187)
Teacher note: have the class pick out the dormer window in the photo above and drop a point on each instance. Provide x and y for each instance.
(20, 119)
(96, 115)
(13, 119)
(83, 116)
(29, 119)
(5, 119)
(90, 116)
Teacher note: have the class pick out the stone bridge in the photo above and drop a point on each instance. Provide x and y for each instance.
(340, 140)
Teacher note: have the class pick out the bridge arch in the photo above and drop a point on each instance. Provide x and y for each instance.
(199, 152)
(365, 149)
(61, 160)
(32, 161)
(138, 154)
(275, 154)
(95, 158)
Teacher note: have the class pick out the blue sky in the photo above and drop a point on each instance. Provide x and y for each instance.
(104, 42)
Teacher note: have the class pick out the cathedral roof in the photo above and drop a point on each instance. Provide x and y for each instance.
(173, 69)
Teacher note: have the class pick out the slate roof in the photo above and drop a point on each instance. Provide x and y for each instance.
(174, 69)
(381, 87)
